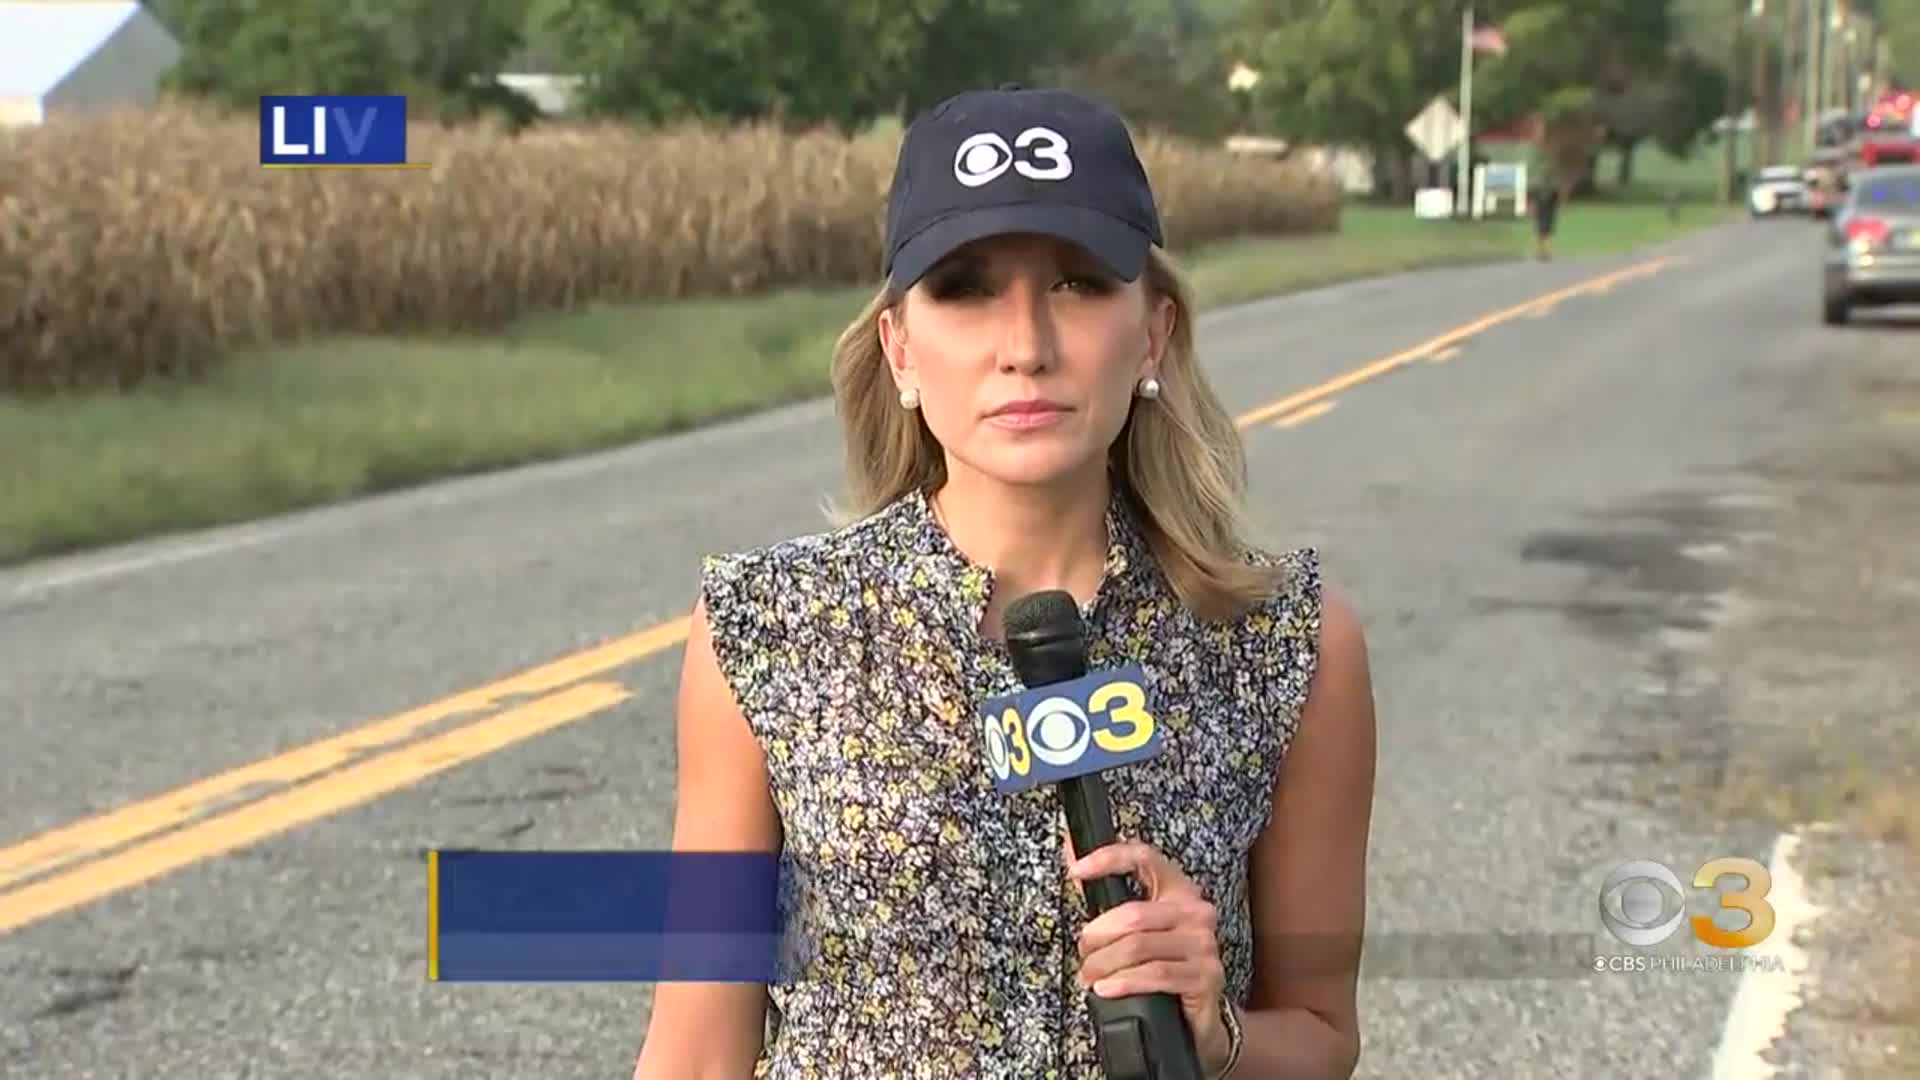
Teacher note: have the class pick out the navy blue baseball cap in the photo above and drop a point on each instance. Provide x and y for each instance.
(1017, 160)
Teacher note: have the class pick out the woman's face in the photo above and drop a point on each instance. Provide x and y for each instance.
(1026, 352)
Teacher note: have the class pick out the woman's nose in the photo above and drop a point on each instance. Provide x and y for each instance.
(1026, 330)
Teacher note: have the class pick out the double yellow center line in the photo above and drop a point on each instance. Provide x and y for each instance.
(98, 856)
(1440, 344)
(101, 855)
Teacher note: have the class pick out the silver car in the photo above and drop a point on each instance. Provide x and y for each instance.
(1873, 243)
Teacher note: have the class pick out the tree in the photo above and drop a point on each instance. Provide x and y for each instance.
(1595, 72)
(1355, 71)
(236, 50)
(1900, 21)
(970, 44)
(1181, 45)
(450, 51)
(443, 53)
(809, 62)
(802, 63)
(1693, 95)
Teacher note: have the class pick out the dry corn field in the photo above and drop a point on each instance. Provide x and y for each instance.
(151, 241)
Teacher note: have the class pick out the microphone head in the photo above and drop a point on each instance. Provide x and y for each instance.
(1065, 722)
(1040, 615)
(1046, 638)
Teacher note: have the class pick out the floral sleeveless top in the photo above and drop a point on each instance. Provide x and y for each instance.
(937, 926)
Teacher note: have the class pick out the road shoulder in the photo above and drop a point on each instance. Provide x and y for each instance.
(1825, 707)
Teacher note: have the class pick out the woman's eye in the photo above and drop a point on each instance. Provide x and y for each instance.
(1089, 285)
(958, 288)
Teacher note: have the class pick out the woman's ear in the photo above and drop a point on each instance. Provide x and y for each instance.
(1161, 315)
(893, 342)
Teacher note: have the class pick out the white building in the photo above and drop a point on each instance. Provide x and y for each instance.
(57, 55)
(552, 94)
(539, 75)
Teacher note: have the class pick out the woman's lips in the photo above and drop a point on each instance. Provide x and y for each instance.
(1028, 414)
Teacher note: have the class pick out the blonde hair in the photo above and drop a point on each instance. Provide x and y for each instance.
(1178, 458)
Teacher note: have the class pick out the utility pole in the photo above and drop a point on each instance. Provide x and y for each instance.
(1463, 166)
(1842, 53)
(1762, 85)
(1816, 15)
(1789, 61)
(1732, 107)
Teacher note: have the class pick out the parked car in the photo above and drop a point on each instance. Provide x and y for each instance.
(1826, 179)
(1778, 189)
(1873, 243)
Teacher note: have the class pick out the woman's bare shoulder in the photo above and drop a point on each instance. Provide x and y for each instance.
(771, 569)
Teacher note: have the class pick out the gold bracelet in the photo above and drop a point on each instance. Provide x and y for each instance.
(1236, 1036)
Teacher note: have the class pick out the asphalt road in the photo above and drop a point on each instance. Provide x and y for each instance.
(1529, 521)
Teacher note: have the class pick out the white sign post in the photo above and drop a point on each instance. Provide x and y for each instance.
(1435, 132)
(1466, 104)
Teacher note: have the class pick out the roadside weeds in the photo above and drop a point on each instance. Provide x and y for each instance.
(1824, 674)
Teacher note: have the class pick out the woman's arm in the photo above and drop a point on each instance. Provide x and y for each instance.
(1309, 873)
(712, 1031)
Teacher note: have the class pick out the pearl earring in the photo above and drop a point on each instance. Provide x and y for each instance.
(1149, 387)
(909, 399)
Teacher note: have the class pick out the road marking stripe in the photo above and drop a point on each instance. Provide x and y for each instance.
(348, 787)
(1301, 416)
(209, 817)
(1441, 356)
(1763, 1000)
(96, 836)
(1451, 337)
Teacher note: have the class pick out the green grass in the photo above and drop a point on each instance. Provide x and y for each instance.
(1695, 179)
(278, 429)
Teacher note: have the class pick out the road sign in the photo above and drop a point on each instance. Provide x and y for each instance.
(1437, 130)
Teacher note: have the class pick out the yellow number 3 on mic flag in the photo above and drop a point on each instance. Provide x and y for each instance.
(1049, 733)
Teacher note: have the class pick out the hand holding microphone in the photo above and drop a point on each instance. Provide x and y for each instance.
(1155, 958)
(1164, 943)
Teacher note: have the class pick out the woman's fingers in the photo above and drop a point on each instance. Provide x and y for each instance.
(1181, 943)
(1154, 870)
(1147, 917)
(1185, 980)
(1164, 944)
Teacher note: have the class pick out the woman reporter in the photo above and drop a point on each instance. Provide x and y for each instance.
(1024, 411)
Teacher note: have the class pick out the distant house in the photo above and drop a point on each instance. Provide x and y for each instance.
(541, 77)
(554, 95)
(1350, 168)
(60, 55)
(1525, 131)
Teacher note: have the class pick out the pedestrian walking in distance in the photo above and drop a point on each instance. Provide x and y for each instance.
(1546, 207)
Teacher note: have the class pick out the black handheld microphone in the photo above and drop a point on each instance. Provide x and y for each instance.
(1142, 1036)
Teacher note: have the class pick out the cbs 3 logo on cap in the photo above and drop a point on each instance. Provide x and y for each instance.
(1038, 153)
(1058, 731)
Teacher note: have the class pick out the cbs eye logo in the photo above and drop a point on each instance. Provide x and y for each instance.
(1059, 732)
(1642, 903)
(985, 157)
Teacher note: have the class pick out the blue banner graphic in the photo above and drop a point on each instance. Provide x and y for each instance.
(604, 916)
(333, 131)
